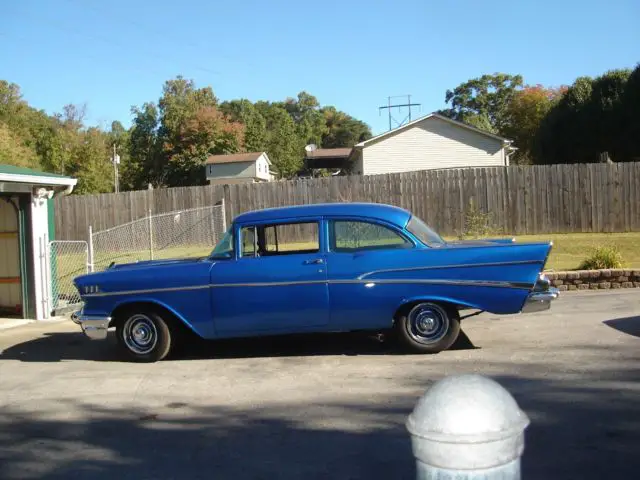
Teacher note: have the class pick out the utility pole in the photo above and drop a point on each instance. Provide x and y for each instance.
(116, 162)
(388, 107)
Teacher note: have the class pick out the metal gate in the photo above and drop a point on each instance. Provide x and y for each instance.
(68, 260)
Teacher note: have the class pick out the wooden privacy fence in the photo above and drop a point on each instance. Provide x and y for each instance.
(521, 199)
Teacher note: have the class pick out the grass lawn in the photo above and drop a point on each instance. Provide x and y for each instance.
(570, 249)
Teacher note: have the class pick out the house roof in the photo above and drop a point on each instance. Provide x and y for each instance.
(330, 153)
(389, 213)
(237, 157)
(425, 117)
(10, 173)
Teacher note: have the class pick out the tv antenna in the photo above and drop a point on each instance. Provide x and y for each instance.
(399, 106)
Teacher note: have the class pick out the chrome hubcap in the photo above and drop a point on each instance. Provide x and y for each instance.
(428, 323)
(140, 334)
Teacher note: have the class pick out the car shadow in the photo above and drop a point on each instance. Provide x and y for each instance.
(63, 346)
(628, 325)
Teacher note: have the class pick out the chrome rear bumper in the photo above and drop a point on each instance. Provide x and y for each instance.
(93, 326)
(540, 301)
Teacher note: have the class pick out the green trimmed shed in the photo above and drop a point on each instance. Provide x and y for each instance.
(26, 228)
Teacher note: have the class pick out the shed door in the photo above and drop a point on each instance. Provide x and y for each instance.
(10, 286)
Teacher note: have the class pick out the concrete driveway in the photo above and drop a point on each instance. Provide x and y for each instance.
(317, 407)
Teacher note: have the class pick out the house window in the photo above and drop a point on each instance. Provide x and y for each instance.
(280, 239)
(347, 236)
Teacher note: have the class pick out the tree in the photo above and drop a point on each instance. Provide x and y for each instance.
(629, 147)
(169, 143)
(90, 163)
(14, 152)
(343, 130)
(483, 101)
(586, 121)
(524, 113)
(285, 148)
(205, 132)
(309, 120)
(169, 139)
(255, 126)
(147, 164)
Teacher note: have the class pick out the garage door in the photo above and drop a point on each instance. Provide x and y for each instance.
(10, 287)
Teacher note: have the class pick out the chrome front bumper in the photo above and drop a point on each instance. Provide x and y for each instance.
(93, 326)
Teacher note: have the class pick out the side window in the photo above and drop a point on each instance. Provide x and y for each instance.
(249, 242)
(352, 235)
(280, 239)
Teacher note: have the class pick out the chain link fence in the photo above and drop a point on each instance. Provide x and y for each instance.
(179, 234)
(68, 260)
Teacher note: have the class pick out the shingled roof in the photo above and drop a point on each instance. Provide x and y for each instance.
(236, 158)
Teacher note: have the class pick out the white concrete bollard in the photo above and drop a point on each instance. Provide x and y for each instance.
(467, 427)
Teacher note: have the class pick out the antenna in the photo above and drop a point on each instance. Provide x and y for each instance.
(399, 106)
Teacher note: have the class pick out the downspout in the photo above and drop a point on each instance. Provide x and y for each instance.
(65, 191)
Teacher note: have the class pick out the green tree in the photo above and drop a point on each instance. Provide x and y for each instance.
(483, 101)
(525, 112)
(169, 144)
(629, 146)
(146, 163)
(307, 116)
(14, 152)
(90, 163)
(285, 147)
(589, 119)
(255, 126)
(343, 130)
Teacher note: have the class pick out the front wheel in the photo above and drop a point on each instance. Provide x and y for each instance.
(428, 327)
(145, 336)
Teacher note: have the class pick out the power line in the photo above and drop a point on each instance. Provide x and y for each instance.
(388, 107)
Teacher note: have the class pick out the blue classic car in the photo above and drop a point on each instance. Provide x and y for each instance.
(316, 268)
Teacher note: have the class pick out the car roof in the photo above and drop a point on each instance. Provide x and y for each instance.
(388, 213)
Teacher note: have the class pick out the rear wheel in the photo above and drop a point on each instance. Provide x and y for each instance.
(144, 335)
(428, 327)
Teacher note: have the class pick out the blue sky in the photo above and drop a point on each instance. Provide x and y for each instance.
(348, 53)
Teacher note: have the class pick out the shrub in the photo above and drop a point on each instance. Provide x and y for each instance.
(476, 223)
(607, 256)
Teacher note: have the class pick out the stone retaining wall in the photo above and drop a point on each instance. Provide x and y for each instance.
(594, 279)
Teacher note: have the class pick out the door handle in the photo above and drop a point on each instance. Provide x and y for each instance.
(315, 261)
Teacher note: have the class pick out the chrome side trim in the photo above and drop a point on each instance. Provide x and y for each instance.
(463, 283)
(459, 265)
(147, 290)
(269, 284)
(467, 283)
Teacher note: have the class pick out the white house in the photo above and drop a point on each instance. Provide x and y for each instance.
(26, 228)
(430, 142)
(238, 168)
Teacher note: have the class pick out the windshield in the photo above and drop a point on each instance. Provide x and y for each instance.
(224, 248)
(424, 233)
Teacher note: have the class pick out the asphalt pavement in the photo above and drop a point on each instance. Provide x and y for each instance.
(317, 407)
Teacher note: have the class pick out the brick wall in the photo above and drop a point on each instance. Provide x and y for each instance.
(595, 279)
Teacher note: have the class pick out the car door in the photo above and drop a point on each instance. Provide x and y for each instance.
(277, 284)
(357, 246)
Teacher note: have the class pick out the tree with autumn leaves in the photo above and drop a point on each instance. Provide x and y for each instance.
(169, 139)
(555, 125)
